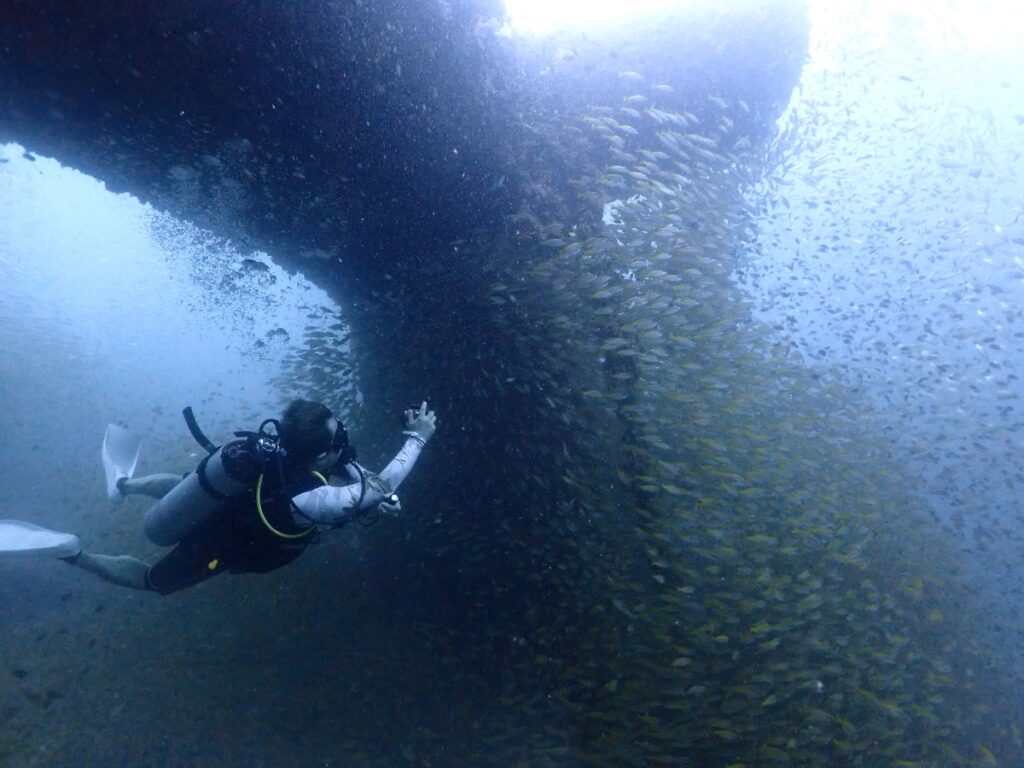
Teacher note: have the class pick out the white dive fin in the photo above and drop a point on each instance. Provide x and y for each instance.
(120, 455)
(23, 539)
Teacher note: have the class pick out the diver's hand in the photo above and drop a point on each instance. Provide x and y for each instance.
(390, 506)
(420, 423)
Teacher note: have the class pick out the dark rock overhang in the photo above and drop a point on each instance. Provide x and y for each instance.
(373, 129)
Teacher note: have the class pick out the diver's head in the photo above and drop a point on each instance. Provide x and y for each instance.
(307, 429)
(311, 434)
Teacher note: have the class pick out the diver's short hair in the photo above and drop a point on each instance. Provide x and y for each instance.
(304, 431)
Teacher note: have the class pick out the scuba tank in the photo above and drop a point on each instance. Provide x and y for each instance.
(225, 473)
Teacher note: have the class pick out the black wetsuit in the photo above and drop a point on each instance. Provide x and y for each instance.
(237, 540)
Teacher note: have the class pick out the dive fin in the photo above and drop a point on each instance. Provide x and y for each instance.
(22, 539)
(120, 455)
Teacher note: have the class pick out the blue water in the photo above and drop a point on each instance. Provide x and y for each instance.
(701, 580)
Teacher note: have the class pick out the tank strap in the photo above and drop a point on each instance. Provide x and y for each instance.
(205, 482)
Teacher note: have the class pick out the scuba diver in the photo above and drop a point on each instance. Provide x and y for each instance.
(251, 505)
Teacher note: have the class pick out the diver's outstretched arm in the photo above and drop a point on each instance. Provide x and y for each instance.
(123, 570)
(332, 504)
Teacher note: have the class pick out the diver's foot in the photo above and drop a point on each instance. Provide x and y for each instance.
(116, 494)
(72, 559)
(69, 549)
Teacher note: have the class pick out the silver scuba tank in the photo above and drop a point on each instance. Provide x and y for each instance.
(225, 474)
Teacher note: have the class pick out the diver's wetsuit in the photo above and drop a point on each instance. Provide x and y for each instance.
(236, 539)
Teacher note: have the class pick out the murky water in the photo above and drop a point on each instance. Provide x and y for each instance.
(744, 479)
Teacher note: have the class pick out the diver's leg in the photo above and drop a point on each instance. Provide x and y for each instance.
(117, 569)
(157, 486)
